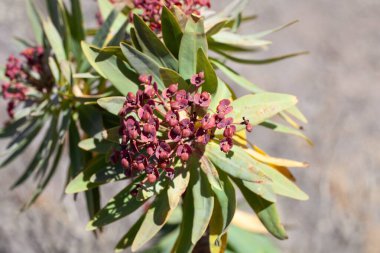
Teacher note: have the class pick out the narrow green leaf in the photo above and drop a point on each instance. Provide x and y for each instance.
(193, 39)
(121, 205)
(262, 106)
(203, 206)
(152, 46)
(93, 201)
(171, 31)
(112, 104)
(265, 210)
(280, 128)
(203, 65)
(111, 68)
(55, 40)
(75, 153)
(96, 173)
(35, 21)
(169, 77)
(261, 61)
(240, 165)
(160, 211)
(229, 41)
(129, 237)
(142, 63)
(281, 184)
(77, 27)
(241, 241)
(90, 119)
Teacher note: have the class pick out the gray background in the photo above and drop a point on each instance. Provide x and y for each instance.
(338, 88)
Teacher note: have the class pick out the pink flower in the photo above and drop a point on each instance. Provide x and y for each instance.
(197, 79)
(224, 108)
(226, 144)
(184, 152)
(203, 99)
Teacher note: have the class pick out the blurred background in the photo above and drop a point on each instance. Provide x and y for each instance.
(338, 88)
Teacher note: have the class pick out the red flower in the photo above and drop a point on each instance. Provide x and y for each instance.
(203, 99)
(198, 79)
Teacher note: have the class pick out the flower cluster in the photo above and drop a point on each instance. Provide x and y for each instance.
(159, 129)
(151, 9)
(28, 70)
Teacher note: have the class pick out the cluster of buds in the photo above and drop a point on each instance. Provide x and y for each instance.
(28, 70)
(152, 9)
(160, 129)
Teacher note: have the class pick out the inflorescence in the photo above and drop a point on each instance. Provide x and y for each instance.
(159, 130)
(28, 70)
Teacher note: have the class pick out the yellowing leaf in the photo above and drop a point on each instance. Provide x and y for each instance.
(276, 161)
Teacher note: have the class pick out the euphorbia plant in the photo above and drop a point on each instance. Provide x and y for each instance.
(176, 134)
(181, 139)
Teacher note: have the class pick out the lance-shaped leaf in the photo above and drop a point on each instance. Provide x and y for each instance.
(152, 46)
(121, 205)
(160, 211)
(262, 106)
(280, 128)
(214, 26)
(112, 104)
(106, 8)
(281, 184)
(265, 210)
(171, 31)
(35, 21)
(258, 61)
(237, 164)
(203, 198)
(242, 241)
(112, 68)
(142, 63)
(96, 144)
(229, 41)
(97, 172)
(193, 39)
(129, 237)
(55, 40)
(225, 198)
(169, 77)
(203, 65)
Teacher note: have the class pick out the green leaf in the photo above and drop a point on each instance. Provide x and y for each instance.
(121, 205)
(262, 106)
(129, 237)
(93, 201)
(281, 184)
(142, 63)
(111, 68)
(203, 65)
(169, 77)
(77, 27)
(152, 46)
(171, 31)
(203, 205)
(90, 119)
(280, 128)
(238, 79)
(21, 142)
(270, 31)
(55, 40)
(239, 164)
(265, 210)
(261, 61)
(35, 21)
(193, 39)
(160, 211)
(225, 205)
(96, 173)
(215, 26)
(229, 41)
(241, 241)
(76, 155)
(96, 144)
(112, 104)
